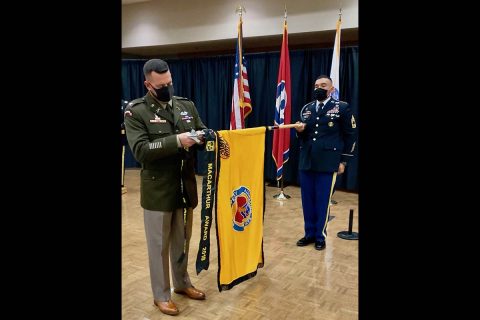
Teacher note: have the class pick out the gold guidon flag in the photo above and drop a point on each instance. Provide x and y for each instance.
(240, 193)
(240, 205)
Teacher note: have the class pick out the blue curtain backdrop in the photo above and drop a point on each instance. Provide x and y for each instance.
(208, 82)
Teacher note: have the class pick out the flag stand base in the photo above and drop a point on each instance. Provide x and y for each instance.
(349, 235)
(281, 196)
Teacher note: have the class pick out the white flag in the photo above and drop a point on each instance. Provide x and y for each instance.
(334, 71)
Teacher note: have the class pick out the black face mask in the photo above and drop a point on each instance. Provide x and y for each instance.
(164, 94)
(320, 94)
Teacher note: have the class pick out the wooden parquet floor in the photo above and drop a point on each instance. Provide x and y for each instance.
(295, 283)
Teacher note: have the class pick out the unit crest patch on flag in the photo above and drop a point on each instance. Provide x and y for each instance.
(241, 204)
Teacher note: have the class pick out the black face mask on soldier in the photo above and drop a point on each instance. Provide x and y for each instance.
(164, 94)
(320, 94)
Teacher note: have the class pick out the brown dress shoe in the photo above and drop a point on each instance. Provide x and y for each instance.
(192, 293)
(167, 307)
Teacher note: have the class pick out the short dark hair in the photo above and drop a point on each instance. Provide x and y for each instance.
(324, 76)
(157, 65)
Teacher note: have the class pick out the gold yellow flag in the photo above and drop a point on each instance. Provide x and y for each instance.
(240, 204)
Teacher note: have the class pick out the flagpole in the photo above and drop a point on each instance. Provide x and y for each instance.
(240, 10)
(285, 126)
(282, 195)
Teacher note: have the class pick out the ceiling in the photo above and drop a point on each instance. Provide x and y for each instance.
(316, 39)
(133, 1)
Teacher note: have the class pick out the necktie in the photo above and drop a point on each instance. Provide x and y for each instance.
(168, 108)
(320, 106)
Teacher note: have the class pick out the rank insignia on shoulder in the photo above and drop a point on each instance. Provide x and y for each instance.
(135, 102)
(354, 124)
(127, 113)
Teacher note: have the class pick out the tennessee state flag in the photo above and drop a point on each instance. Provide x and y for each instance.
(240, 205)
(281, 138)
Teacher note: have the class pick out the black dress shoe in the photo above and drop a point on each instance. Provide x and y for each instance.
(304, 241)
(320, 245)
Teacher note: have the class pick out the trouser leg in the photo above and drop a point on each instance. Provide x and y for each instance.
(157, 230)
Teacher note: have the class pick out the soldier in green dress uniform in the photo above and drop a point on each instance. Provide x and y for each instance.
(158, 128)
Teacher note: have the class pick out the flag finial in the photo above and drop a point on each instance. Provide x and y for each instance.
(340, 14)
(285, 11)
(240, 10)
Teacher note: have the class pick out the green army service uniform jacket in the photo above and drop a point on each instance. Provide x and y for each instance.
(151, 133)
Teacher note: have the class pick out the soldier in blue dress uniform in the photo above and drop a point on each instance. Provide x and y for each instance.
(327, 137)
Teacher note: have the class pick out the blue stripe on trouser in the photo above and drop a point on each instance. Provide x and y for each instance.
(316, 188)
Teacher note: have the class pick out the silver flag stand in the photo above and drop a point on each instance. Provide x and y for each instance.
(281, 195)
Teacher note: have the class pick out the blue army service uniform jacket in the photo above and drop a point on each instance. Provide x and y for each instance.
(329, 136)
(151, 133)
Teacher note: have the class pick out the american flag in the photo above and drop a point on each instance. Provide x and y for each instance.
(281, 138)
(334, 71)
(241, 103)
